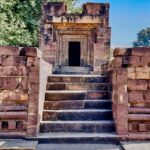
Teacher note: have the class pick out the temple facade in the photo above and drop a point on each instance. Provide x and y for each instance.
(75, 41)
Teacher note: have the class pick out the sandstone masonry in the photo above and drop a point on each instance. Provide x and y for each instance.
(19, 91)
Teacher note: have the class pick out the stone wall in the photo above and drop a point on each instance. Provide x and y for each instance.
(19, 89)
(131, 92)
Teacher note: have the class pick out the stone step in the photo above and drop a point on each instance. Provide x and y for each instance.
(77, 104)
(17, 144)
(77, 126)
(61, 137)
(77, 114)
(77, 86)
(76, 95)
(64, 95)
(93, 94)
(72, 70)
(78, 78)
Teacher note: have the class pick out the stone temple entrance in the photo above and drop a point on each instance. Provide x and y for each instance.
(78, 42)
(74, 54)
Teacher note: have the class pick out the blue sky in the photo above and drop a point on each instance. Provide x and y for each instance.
(127, 17)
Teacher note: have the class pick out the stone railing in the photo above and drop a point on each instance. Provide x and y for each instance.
(131, 92)
(19, 91)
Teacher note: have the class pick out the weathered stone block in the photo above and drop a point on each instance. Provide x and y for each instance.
(135, 126)
(121, 71)
(137, 85)
(31, 131)
(132, 61)
(9, 50)
(136, 96)
(13, 115)
(118, 62)
(142, 73)
(34, 77)
(13, 71)
(120, 88)
(11, 125)
(130, 127)
(120, 98)
(32, 119)
(140, 51)
(121, 79)
(47, 116)
(131, 73)
(13, 95)
(142, 127)
(33, 99)
(12, 83)
(33, 88)
(28, 51)
(33, 109)
(122, 129)
(139, 117)
(147, 96)
(120, 52)
(145, 61)
(0, 125)
(13, 61)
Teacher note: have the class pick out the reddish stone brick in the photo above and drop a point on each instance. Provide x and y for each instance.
(136, 96)
(24, 125)
(11, 125)
(28, 51)
(148, 84)
(114, 78)
(142, 73)
(131, 73)
(130, 127)
(122, 129)
(33, 99)
(19, 125)
(32, 120)
(34, 77)
(32, 131)
(140, 51)
(118, 62)
(137, 85)
(9, 50)
(12, 83)
(120, 88)
(0, 125)
(145, 61)
(147, 96)
(132, 61)
(120, 52)
(13, 61)
(122, 71)
(135, 126)
(142, 127)
(13, 95)
(13, 71)
(121, 79)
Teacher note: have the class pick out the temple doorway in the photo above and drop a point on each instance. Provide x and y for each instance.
(74, 53)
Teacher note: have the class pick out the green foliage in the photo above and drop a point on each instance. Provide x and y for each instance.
(19, 22)
(20, 19)
(143, 38)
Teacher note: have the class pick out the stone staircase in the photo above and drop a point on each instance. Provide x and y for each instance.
(77, 108)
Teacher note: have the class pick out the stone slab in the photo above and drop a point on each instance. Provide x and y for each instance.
(78, 146)
(135, 145)
(17, 144)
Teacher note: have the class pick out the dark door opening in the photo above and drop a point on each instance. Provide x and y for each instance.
(74, 53)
